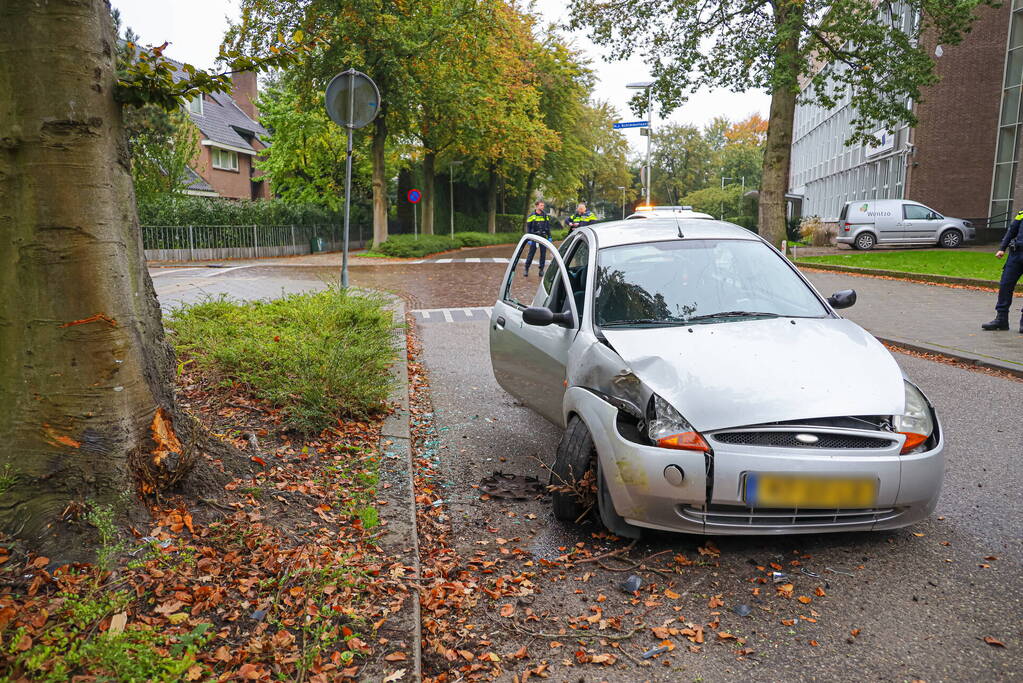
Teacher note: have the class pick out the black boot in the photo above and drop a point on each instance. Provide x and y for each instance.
(999, 323)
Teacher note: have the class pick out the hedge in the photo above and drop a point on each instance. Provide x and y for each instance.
(406, 246)
(178, 211)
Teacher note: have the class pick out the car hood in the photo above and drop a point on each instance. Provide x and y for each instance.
(751, 372)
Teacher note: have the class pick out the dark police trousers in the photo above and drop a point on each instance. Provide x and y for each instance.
(1011, 273)
(532, 250)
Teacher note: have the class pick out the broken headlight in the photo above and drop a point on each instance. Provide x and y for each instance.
(917, 423)
(668, 429)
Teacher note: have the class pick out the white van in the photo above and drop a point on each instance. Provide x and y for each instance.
(865, 223)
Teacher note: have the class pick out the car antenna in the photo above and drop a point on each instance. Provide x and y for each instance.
(679, 226)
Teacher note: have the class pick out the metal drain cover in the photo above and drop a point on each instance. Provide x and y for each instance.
(511, 486)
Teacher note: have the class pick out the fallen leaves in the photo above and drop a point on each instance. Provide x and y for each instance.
(993, 642)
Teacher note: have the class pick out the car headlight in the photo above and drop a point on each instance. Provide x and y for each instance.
(668, 429)
(917, 423)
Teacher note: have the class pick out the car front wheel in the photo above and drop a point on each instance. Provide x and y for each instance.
(951, 239)
(573, 476)
(865, 241)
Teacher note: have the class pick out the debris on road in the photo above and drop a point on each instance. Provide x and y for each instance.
(631, 584)
(511, 486)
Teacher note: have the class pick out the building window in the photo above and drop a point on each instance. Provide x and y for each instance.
(1009, 132)
(225, 159)
(195, 104)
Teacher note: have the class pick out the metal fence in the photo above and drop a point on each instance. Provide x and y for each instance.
(211, 242)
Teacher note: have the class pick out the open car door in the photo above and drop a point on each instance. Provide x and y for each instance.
(529, 341)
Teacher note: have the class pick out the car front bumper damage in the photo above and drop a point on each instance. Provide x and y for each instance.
(709, 498)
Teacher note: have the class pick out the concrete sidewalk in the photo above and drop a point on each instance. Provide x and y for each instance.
(930, 318)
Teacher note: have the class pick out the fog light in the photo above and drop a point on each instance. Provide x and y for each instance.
(674, 475)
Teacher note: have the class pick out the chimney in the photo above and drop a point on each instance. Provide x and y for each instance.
(243, 90)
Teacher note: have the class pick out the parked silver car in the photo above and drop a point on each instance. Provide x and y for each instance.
(706, 387)
(866, 223)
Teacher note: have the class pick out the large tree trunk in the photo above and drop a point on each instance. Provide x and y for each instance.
(86, 377)
(778, 150)
(429, 181)
(492, 201)
(379, 181)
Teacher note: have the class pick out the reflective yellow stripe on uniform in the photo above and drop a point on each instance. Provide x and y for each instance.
(1019, 216)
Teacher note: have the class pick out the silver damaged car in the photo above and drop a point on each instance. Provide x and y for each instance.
(704, 386)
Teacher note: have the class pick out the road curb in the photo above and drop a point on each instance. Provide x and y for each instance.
(402, 538)
(955, 354)
(912, 277)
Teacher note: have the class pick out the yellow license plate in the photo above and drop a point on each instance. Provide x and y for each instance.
(780, 491)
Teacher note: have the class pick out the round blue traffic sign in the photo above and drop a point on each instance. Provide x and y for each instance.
(414, 196)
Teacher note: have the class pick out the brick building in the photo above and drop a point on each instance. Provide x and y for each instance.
(231, 139)
(947, 162)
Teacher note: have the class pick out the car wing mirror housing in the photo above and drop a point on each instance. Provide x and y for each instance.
(542, 316)
(842, 299)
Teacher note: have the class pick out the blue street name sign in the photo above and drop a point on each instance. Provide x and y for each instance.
(631, 124)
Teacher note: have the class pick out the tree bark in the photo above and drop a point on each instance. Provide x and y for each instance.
(528, 208)
(86, 376)
(429, 183)
(379, 180)
(492, 201)
(778, 149)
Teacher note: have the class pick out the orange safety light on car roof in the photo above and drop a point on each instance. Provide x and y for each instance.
(644, 207)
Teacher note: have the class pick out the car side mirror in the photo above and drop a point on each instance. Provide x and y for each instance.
(542, 317)
(842, 299)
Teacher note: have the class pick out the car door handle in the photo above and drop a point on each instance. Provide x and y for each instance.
(500, 322)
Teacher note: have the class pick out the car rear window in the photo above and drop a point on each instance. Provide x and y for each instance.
(845, 212)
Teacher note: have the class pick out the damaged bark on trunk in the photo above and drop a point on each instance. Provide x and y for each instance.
(86, 376)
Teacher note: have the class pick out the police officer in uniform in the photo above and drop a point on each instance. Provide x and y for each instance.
(1012, 244)
(538, 223)
(580, 217)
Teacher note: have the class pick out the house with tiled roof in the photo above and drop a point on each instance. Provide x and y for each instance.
(231, 139)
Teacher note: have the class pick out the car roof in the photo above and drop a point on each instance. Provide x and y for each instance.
(656, 229)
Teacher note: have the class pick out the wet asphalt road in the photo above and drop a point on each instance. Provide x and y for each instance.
(919, 596)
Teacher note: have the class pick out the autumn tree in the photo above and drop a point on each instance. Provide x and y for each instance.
(606, 168)
(781, 45)
(87, 376)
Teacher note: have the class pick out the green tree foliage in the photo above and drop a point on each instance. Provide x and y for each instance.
(606, 167)
(163, 146)
(775, 44)
(682, 162)
(306, 162)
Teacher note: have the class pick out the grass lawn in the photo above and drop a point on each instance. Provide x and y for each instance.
(950, 262)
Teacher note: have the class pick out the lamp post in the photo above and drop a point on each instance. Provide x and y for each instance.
(648, 86)
(623, 201)
(451, 207)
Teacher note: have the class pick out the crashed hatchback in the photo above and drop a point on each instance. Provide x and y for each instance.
(705, 387)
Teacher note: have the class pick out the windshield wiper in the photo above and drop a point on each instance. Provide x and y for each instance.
(734, 314)
(642, 321)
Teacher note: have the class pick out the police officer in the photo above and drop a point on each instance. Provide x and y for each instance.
(1011, 272)
(538, 223)
(580, 217)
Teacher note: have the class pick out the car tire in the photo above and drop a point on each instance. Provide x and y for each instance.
(865, 241)
(575, 457)
(951, 239)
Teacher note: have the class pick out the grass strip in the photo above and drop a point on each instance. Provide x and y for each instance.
(950, 263)
(317, 357)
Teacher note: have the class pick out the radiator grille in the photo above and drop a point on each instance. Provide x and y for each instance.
(789, 440)
(740, 516)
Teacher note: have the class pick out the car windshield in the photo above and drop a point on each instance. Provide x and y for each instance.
(687, 282)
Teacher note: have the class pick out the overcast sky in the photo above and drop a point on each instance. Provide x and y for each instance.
(195, 28)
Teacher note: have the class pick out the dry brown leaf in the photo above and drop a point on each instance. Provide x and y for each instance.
(805, 599)
(993, 642)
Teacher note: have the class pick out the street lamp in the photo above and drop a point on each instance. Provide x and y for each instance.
(623, 201)
(648, 86)
(451, 207)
